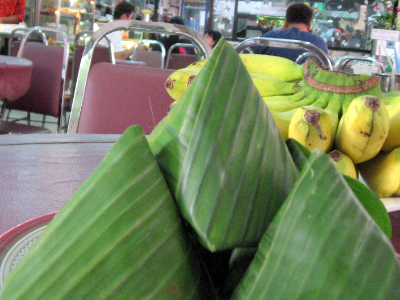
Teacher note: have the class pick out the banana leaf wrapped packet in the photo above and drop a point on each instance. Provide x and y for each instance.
(222, 155)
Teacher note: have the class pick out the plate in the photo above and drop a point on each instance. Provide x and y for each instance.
(15, 243)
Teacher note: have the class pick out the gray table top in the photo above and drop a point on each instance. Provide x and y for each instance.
(40, 172)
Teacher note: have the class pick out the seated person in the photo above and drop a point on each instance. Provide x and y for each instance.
(212, 37)
(124, 10)
(297, 27)
(173, 39)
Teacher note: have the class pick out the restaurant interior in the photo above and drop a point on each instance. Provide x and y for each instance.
(66, 100)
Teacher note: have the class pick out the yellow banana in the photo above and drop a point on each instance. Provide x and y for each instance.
(363, 129)
(177, 81)
(283, 117)
(282, 120)
(311, 127)
(382, 173)
(344, 163)
(393, 139)
(334, 109)
(278, 67)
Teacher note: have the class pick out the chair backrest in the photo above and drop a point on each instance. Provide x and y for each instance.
(119, 95)
(154, 59)
(46, 95)
(47, 85)
(178, 61)
(289, 44)
(17, 33)
(101, 53)
(140, 26)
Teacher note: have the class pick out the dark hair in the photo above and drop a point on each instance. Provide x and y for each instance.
(176, 20)
(216, 35)
(123, 8)
(299, 13)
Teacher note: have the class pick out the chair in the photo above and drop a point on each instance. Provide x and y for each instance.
(290, 44)
(46, 95)
(13, 46)
(100, 54)
(15, 81)
(153, 59)
(118, 95)
(344, 63)
(108, 97)
(178, 61)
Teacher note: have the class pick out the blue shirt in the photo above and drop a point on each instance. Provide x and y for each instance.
(292, 33)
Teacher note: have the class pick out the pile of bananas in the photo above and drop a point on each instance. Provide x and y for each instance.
(344, 115)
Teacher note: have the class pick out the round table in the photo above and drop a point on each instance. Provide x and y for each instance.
(15, 77)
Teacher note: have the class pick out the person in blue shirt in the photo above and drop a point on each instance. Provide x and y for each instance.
(297, 27)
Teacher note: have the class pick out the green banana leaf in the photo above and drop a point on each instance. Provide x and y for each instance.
(223, 156)
(119, 236)
(322, 244)
(300, 154)
(372, 204)
(368, 199)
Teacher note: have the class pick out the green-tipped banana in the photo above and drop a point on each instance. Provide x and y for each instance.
(271, 86)
(311, 127)
(302, 98)
(344, 163)
(363, 129)
(382, 173)
(278, 67)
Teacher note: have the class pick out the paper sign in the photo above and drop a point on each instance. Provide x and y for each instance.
(386, 35)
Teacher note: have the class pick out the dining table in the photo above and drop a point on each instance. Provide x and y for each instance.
(15, 77)
(40, 172)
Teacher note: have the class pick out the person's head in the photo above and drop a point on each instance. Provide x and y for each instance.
(124, 10)
(299, 13)
(176, 20)
(212, 37)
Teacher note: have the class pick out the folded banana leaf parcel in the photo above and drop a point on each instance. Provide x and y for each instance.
(223, 156)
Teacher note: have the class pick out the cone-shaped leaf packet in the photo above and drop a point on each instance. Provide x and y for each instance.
(322, 244)
(119, 236)
(367, 198)
(223, 156)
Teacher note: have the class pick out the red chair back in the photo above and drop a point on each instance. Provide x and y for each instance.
(118, 95)
(44, 96)
(180, 61)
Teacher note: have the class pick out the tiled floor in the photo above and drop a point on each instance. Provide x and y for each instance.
(36, 119)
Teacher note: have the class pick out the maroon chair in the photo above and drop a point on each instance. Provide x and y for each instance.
(119, 95)
(180, 61)
(177, 61)
(46, 94)
(15, 81)
(101, 53)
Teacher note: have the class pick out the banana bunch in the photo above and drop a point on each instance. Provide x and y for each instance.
(345, 115)
(268, 79)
